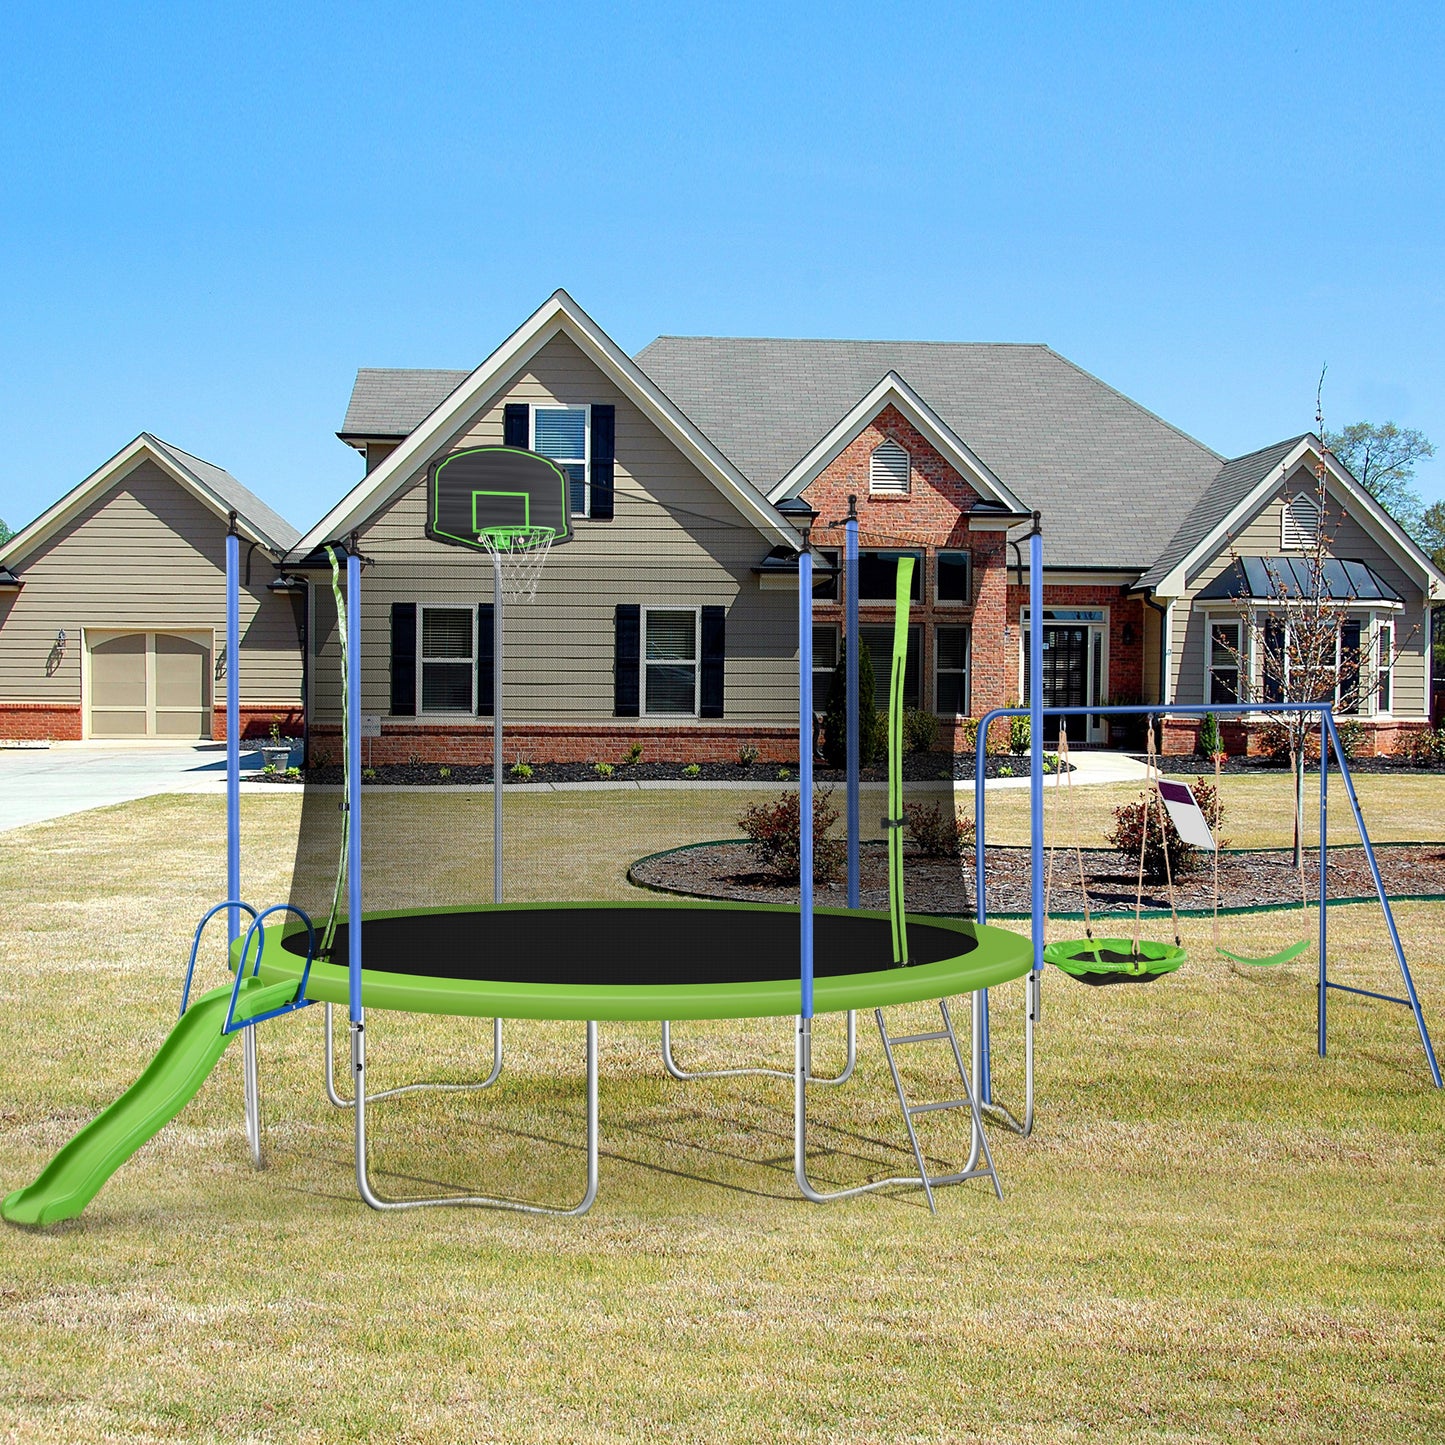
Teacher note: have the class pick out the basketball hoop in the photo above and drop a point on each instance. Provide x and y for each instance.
(519, 554)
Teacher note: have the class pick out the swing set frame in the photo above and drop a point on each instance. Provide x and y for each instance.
(1330, 747)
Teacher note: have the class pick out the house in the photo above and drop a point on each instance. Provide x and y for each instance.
(113, 607)
(679, 460)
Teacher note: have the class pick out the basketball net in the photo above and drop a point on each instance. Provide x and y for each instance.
(520, 554)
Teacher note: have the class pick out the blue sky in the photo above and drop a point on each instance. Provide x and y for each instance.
(210, 216)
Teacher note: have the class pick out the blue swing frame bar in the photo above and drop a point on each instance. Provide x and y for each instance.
(1329, 745)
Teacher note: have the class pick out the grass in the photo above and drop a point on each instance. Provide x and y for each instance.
(1213, 1234)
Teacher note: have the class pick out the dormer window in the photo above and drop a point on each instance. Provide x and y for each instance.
(888, 471)
(1300, 523)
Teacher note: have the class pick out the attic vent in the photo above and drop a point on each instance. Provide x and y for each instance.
(888, 470)
(1300, 524)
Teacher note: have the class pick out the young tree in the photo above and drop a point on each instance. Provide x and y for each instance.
(5, 533)
(835, 716)
(1382, 458)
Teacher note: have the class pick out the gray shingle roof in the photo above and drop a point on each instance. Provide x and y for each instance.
(391, 402)
(1234, 481)
(232, 496)
(1111, 479)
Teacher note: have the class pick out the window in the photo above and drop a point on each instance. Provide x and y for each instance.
(953, 579)
(1347, 667)
(825, 660)
(448, 659)
(950, 671)
(561, 434)
(1384, 665)
(878, 639)
(888, 470)
(878, 576)
(1300, 523)
(825, 574)
(1224, 654)
(669, 650)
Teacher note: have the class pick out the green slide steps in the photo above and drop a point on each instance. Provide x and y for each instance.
(170, 1081)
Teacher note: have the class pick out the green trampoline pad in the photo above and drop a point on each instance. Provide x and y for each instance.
(644, 961)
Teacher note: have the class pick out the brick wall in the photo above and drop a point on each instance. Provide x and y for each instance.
(1379, 737)
(38, 721)
(256, 722)
(1126, 659)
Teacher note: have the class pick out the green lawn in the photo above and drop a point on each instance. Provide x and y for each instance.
(1213, 1234)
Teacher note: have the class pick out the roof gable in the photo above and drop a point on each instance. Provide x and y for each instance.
(214, 487)
(558, 315)
(388, 403)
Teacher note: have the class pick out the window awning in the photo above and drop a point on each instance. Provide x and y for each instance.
(1275, 579)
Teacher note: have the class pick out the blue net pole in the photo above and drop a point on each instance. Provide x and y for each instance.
(233, 729)
(850, 643)
(805, 776)
(351, 690)
(1036, 740)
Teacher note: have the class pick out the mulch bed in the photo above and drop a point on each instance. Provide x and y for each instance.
(1193, 766)
(917, 767)
(1264, 879)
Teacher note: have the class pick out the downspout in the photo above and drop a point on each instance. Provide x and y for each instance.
(1166, 651)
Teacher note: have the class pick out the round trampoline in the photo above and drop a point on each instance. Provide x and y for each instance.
(644, 961)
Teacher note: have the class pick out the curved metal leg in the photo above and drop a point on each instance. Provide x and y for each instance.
(477, 1201)
(670, 1063)
(800, 1142)
(250, 1068)
(341, 1102)
(994, 1112)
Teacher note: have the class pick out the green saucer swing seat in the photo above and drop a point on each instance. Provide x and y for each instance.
(1114, 960)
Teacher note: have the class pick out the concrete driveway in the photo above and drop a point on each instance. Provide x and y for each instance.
(37, 784)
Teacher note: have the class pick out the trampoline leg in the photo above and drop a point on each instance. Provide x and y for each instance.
(251, 1072)
(341, 1102)
(995, 1112)
(361, 1099)
(670, 1063)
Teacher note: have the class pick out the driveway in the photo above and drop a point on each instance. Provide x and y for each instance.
(37, 784)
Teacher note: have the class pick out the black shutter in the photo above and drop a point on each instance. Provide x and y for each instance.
(714, 650)
(486, 655)
(627, 661)
(403, 659)
(604, 453)
(516, 425)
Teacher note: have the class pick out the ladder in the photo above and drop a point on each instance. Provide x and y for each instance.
(984, 1170)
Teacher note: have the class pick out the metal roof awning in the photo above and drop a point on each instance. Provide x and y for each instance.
(1284, 578)
(9, 582)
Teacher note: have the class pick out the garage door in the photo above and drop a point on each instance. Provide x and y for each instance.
(150, 684)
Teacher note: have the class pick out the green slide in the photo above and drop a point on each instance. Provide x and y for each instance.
(73, 1178)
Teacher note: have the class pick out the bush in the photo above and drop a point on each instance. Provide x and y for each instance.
(1352, 738)
(772, 830)
(521, 770)
(1142, 817)
(872, 728)
(1210, 743)
(634, 753)
(937, 833)
(692, 770)
(1018, 735)
(747, 755)
(920, 730)
(1274, 742)
(967, 734)
(603, 770)
(1423, 749)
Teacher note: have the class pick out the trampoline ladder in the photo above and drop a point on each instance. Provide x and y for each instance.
(911, 1111)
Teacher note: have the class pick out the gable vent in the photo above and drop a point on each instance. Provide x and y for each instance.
(888, 470)
(1300, 524)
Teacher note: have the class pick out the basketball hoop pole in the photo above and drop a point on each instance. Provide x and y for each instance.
(496, 727)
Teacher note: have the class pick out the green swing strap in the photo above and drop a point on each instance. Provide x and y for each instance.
(1291, 951)
(893, 823)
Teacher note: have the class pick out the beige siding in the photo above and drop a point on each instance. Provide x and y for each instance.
(144, 554)
(1261, 537)
(674, 541)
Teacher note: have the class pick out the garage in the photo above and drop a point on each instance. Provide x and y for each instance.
(148, 684)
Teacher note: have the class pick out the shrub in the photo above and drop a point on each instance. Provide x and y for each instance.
(747, 755)
(920, 730)
(634, 753)
(1210, 744)
(784, 774)
(521, 770)
(603, 770)
(1018, 735)
(1143, 816)
(368, 774)
(269, 770)
(1274, 742)
(1423, 749)
(938, 833)
(294, 773)
(1005, 771)
(968, 733)
(872, 728)
(692, 770)
(444, 772)
(772, 831)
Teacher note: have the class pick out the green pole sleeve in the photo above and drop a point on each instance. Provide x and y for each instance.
(901, 603)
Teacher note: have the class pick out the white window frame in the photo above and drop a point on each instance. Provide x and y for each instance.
(967, 600)
(1242, 667)
(907, 489)
(585, 460)
(920, 567)
(1372, 624)
(1383, 665)
(696, 660)
(953, 672)
(421, 659)
(1293, 499)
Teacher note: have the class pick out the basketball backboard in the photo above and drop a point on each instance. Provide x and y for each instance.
(495, 489)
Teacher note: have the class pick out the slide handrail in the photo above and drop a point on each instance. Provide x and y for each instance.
(196, 944)
(300, 1000)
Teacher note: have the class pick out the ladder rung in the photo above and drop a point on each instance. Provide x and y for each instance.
(927, 1108)
(920, 1038)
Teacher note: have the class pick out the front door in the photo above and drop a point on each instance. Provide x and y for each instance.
(1073, 671)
